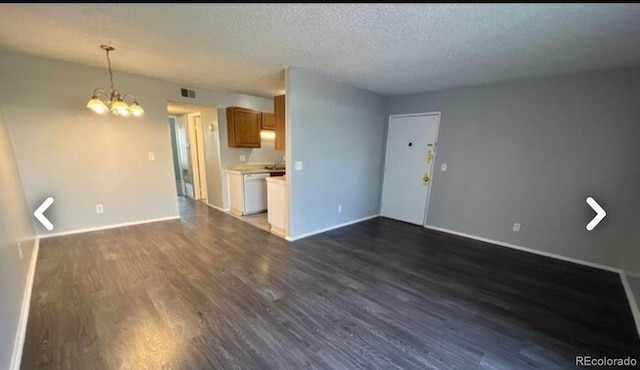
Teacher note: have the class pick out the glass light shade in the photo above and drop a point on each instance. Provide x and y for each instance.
(136, 109)
(120, 108)
(97, 105)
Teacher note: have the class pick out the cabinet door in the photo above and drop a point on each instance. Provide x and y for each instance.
(236, 193)
(268, 121)
(279, 108)
(243, 127)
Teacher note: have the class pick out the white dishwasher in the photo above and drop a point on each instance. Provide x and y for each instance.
(255, 192)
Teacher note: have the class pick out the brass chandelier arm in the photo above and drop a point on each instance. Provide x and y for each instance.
(100, 94)
(130, 96)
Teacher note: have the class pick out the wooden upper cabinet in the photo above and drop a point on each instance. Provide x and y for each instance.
(243, 127)
(268, 121)
(279, 109)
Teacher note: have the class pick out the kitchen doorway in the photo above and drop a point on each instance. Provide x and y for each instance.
(411, 150)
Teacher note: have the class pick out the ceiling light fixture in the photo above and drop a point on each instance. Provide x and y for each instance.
(101, 103)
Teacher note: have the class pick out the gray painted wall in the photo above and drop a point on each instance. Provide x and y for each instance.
(82, 159)
(338, 132)
(16, 231)
(532, 152)
(212, 156)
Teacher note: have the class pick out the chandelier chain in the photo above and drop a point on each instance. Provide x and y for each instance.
(110, 73)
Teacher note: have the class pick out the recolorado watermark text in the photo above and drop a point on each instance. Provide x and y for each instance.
(605, 361)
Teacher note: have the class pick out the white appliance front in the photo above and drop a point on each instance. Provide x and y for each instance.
(255, 193)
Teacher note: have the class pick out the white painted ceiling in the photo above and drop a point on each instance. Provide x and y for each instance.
(387, 48)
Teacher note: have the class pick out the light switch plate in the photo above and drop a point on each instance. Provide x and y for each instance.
(298, 166)
(443, 167)
(243, 158)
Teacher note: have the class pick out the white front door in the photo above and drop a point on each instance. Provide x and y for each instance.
(408, 174)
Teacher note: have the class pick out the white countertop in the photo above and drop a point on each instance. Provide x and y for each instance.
(251, 168)
(277, 179)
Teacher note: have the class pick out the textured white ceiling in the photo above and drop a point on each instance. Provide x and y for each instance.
(184, 108)
(387, 48)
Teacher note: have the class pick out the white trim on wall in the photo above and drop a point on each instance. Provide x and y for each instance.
(298, 237)
(623, 275)
(18, 345)
(113, 226)
(635, 311)
(525, 249)
(218, 208)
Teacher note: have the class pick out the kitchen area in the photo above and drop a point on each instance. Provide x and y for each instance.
(257, 190)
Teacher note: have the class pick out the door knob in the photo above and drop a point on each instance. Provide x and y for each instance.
(426, 178)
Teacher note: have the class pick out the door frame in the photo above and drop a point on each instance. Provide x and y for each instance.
(196, 155)
(174, 133)
(392, 116)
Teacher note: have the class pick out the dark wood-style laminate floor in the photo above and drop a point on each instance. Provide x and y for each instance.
(210, 291)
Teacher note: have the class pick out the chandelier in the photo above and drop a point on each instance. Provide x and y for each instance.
(100, 102)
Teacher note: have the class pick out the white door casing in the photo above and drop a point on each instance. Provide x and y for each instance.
(197, 167)
(411, 149)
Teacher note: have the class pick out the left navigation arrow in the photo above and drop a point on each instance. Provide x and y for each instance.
(39, 214)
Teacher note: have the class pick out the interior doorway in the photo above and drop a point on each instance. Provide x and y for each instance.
(408, 175)
(195, 150)
(178, 150)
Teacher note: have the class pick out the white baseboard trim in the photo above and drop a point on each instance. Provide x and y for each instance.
(218, 208)
(525, 249)
(24, 313)
(113, 226)
(632, 300)
(623, 274)
(298, 237)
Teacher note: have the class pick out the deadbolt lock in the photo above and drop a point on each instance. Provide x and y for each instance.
(430, 156)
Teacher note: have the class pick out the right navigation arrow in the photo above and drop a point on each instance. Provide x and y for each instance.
(600, 213)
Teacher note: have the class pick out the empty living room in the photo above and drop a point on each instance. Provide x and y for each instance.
(319, 186)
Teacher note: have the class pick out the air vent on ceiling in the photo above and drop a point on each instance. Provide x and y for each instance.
(188, 93)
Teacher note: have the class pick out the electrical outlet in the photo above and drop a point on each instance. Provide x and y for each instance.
(340, 208)
(298, 166)
(243, 158)
(443, 167)
(152, 156)
(99, 208)
(516, 227)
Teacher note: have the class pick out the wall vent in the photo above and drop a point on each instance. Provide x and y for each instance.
(186, 93)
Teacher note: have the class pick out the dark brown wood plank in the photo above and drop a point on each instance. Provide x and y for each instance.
(210, 291)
